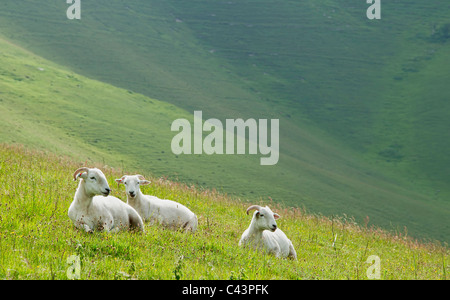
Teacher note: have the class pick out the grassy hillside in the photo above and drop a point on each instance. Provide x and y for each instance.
(48, 107)
(312, 61)
(362, 104)
(37, 237)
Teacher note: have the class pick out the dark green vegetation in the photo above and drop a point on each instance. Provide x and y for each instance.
(363, 104)
(37, 237)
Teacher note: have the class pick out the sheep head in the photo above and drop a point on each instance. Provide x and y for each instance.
(264, 217)
(132, 183)
(95, 182)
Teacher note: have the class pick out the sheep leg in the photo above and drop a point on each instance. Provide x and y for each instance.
(191, 225)
(114, 230)
(136, 223)
(87, 228)
(292, 253)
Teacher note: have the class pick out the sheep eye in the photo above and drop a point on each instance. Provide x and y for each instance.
(93, 178)
(261, 215)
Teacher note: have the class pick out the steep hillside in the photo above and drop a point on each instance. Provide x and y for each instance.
(48, 107)
(37, 237)
(362, 104)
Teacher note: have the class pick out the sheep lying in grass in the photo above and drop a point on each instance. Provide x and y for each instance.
(263, 234)
(90, 212)
(166, 212)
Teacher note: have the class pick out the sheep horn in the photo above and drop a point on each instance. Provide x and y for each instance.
(140, 177)
(257, 207)
(80, 170)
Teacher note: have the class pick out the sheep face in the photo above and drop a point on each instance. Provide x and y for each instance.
(265, 218)
(95, 182)
(132, 184)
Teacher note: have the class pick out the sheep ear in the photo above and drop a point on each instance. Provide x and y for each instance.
(144, 182)
(119, 181)
(276, 216)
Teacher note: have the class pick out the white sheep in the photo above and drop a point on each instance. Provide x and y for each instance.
(166, 212)
(91, 212)
(263, 233)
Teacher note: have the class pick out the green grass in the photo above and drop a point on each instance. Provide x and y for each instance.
(51, 108)
(362, 104)
(37, 237)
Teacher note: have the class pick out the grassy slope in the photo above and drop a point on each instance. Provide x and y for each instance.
(300, 78)
(37, 237)
(87, 127)
(57, 110)
(365, 82)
